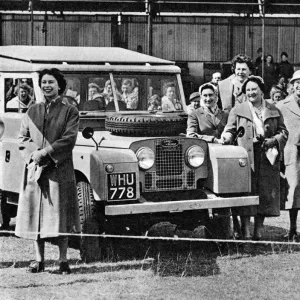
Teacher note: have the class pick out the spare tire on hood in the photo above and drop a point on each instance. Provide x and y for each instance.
(147, 125)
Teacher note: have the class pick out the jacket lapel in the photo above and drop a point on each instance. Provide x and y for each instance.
(270, 111)
(243, 110)
(293, 106)
(219, 117)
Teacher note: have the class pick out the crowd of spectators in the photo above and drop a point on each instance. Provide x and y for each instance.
(263, 98)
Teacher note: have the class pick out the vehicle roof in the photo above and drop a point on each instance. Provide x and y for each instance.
(80, 59)
(86, 55)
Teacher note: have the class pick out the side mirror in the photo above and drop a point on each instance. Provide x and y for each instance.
(88, 132)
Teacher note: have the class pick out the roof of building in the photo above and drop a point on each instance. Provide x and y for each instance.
(160, 6)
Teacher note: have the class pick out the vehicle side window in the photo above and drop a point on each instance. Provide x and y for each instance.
(127, 89)
(19, 94)
(72, 91)
(163, 95)
(99, 94)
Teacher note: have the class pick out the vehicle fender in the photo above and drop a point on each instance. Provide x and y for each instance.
(122, 160)
(226, 173)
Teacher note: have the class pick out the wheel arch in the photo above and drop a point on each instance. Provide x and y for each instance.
(79, 176)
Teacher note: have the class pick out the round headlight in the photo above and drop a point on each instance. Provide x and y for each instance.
(195, 156)
(145, 158)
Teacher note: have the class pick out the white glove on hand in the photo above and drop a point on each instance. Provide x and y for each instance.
(38, 156)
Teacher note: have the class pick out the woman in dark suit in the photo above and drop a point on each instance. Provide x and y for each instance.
(264, 129)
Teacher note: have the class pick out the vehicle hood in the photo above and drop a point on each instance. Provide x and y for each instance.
(108, 140)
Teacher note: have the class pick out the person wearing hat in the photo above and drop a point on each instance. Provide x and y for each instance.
(208, 121)
(264, 139)
(194, 102)
(290, 109)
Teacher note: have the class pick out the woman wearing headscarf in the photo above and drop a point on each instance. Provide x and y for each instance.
(208, 121)
(48, 207)
(265, 137)
(290, 109)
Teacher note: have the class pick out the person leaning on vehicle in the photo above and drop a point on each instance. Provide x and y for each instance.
(48, 205)
(230, 89)
(264, 139)
(208, 121)
(290, 109)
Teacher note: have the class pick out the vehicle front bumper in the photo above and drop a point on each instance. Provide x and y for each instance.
(179, 206)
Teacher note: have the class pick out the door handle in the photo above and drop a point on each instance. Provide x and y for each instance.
(7, 156)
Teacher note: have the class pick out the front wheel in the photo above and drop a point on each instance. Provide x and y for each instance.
(92, 221)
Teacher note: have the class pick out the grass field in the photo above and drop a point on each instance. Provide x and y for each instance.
(159, 270)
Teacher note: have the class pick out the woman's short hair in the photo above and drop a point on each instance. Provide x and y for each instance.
(241, 59)
(272, 59)
(62, 83)
(257, 79)
(275, 90)
(284, 53)
(127, 82)
(25, 87)
(167, 85)
(208, 86)
(93, 85)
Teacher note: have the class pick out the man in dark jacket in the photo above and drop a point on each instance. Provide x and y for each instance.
(286, 70)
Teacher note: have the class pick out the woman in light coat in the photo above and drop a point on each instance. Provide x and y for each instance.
(48, 203)
(208, 121)
(264, 129)
(290, 109)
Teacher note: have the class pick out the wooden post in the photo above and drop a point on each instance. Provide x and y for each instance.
(30, 7)
(149, 27)
(262, 14)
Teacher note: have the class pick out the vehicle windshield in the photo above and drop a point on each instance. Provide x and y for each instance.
(133, 92)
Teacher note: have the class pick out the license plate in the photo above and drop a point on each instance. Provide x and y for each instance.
(121, 186)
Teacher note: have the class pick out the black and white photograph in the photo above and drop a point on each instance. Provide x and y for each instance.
(149, 149)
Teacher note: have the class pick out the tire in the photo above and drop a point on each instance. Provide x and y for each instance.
(146, 125)
(92, 222)
(7, 211)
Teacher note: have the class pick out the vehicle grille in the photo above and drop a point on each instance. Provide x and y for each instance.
(171, 171)
(169, 162)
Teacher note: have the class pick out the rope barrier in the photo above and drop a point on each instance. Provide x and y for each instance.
(160, 238)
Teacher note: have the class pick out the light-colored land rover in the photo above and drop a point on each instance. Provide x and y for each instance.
(134, 166)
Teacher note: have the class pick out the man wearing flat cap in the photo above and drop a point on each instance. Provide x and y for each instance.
(194, 102)
(290, 109)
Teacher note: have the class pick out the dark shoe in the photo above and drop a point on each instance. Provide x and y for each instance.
(64, 268)
(257, 237)
(36, 267)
